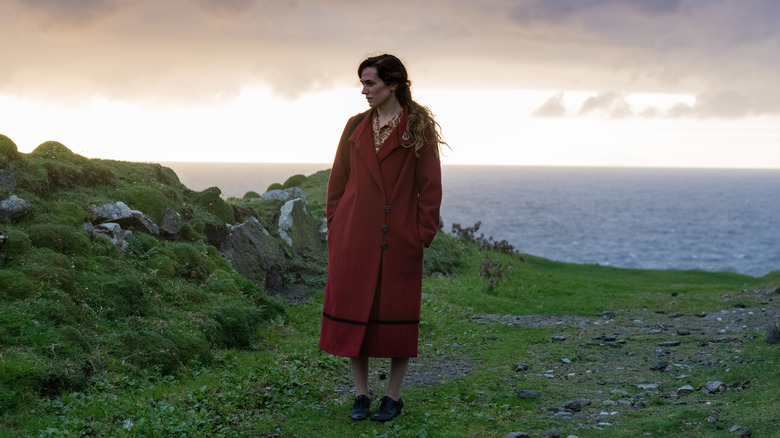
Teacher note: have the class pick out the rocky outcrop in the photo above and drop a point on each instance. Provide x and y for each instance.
(171, 224)
(110, 231)
(120, 213)
(297, 227)
(284, 194)
(254, 254)
(14, 208)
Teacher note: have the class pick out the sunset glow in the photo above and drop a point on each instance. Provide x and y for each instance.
(529, 83)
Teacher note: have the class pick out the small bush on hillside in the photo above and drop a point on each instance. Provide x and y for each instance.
(248, 196)
(70, 213)
(445, 256)
(148, 350)
(147, 200)
(233, 325)
(16, 244)
(275, 186)
(8, 151)
(15, 285)
(61, 238)
(48, 268)
(124, 296)
(294, 181)
(210, 200)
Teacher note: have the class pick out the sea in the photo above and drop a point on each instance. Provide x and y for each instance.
(645, 218)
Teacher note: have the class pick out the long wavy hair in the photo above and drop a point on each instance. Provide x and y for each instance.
(422, 124)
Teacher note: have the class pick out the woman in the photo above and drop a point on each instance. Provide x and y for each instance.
(382, 207)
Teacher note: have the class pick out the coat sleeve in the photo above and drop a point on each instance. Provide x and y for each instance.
(428, 176)
(339, 174)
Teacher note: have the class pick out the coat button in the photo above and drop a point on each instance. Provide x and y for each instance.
(385, 228)
(387, 209)
(383, 245)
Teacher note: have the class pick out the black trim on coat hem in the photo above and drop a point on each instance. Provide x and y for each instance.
(350, 321)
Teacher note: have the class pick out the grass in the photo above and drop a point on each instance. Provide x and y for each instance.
(166, 340)
(287, 388)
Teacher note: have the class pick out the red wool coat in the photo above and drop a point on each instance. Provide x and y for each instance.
(381, 209)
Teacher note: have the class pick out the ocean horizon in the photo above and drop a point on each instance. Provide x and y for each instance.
(643, 218)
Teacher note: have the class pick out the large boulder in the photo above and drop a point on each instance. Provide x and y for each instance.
(254, 254)
(14, 208)
(119, 212)
(297, 227)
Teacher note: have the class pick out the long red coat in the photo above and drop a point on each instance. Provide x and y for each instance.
(382, 207)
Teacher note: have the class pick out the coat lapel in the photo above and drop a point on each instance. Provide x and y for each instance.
(363, 139)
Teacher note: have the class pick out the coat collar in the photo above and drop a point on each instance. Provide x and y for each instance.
(363, 139)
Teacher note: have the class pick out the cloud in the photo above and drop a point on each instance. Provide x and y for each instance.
(552, 107)
(721, 51)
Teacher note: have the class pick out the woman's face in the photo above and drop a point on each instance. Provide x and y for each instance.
(377, 92)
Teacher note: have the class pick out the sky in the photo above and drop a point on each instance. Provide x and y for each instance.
(649, 83)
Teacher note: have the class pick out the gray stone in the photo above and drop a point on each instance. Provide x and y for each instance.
(743, 431)
(576, 405)
(520, 366)
(714, 387)
(683, 332)
(139, 221)
(669, 344)
(254, 254)
(686, 389)
(773, 333)
(110, 231)
(171, 224)
(284, 194)
(7, 181)
(14, 208)
(110, 212)
(297, 227)
(552, 433)
(516, 435)
(527, 393)
(659, 365)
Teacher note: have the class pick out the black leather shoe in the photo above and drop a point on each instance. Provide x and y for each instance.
(388, 409)
(360, 408)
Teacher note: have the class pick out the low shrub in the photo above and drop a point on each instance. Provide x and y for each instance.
(233, 325)
(125, 296)
(61, 238)
(15, 285)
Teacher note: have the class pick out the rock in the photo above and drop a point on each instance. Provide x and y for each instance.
(659, 365)
(558, 338)
(14, 208)
(686, 389)
(110, 231)
(254, 254)
(608, 314)
(110, 212)
(683, 332)
(297, 227)
(676, 315)
(576, 405)
(527, 393)
(7, 181)
(773, 333)
(714, 387)
(171, 224)
(744, 431)
(669, 344)
(640, 405)
(284, 194)
(552, 433)
(139, 221)
(566, 361)
(516, 435)
(520, 366)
